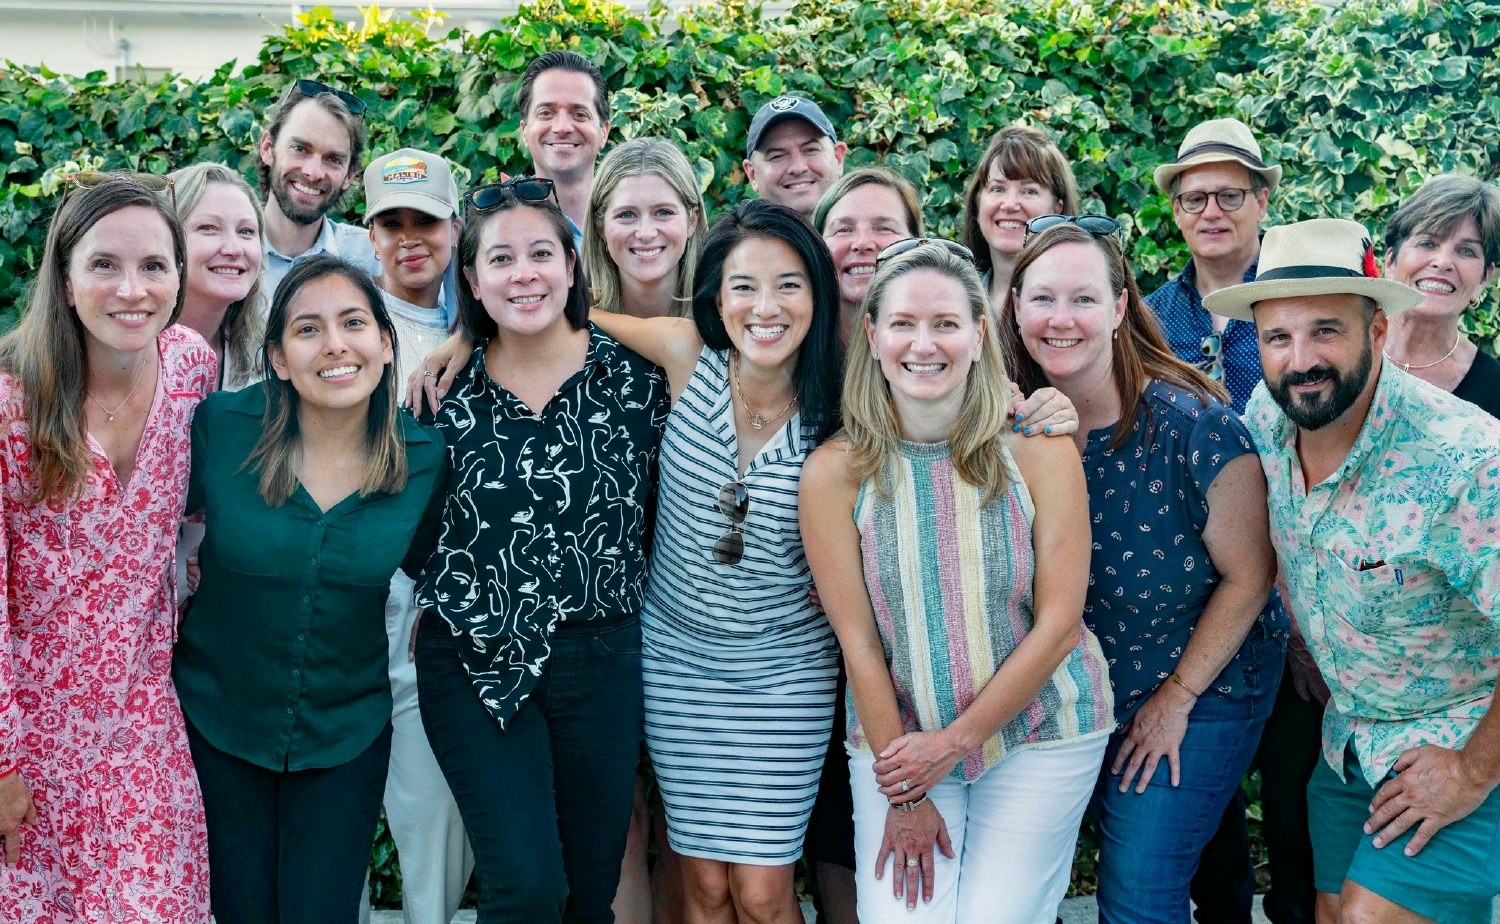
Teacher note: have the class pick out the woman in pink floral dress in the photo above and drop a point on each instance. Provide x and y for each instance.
(100, 812)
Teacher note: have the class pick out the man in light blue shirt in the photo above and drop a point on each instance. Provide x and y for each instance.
(309, 154)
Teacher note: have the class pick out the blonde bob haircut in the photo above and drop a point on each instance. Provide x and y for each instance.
(641, 157)
(872, 424)
(244, 321)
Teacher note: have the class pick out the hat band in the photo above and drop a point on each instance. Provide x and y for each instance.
(1309, 271)
(1218, 147)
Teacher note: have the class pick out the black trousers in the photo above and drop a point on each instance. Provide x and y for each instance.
(1225, 882)
(293, 846)
(546, 800)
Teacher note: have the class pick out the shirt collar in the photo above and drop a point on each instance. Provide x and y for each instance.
(604, 354)
(323, 243)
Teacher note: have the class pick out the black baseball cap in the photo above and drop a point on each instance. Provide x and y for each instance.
(787, 107)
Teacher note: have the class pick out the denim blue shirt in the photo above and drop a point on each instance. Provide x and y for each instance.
(1188, 325)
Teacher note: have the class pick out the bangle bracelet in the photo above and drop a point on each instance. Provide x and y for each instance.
(911, 806)
(1177, 679)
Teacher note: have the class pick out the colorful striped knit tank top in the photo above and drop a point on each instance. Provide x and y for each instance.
(950, 580)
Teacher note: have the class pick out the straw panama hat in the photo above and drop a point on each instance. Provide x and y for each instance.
(1217, 141)
(1324, 256)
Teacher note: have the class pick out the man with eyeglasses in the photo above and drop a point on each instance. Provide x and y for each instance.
(1219, 186)
(308, 156)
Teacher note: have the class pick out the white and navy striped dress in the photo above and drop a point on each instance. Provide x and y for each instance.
(739, 664)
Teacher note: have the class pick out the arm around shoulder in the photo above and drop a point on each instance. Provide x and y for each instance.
(672, 343)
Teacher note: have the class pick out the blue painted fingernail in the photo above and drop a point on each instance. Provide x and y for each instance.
(1016, 427)
(1048, 430)
(1028, 431)
(1020, 416)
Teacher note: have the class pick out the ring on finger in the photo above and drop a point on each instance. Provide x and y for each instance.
(906, 785)
(428, 374)
(912, 861)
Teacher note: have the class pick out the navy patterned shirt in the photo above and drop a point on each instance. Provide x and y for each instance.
(545, 514)
(1189, 330)
(1150, 576)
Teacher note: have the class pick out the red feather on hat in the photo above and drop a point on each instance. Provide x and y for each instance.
(1370, 269)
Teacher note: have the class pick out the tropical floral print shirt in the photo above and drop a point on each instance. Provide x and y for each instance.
(1393, 564)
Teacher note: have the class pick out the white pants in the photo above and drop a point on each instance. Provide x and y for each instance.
(431, 845)
(1013, 833)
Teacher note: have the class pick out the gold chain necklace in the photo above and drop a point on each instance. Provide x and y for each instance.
(757, 421)
(1409, 367)
(140, 370)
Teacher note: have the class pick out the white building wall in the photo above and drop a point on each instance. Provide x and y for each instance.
(191, 37)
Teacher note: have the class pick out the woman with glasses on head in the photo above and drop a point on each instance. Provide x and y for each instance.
(1022, 175)
(529, 649)
(1182, 561)
(951, 554)
(312, 486)
(101, 816)
(645, 225)
(1444, 241)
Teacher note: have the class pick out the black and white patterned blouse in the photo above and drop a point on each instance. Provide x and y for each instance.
(545, 514)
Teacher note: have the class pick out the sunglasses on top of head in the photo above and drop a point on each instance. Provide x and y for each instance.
(1097, 225)
(314, 88)
(525, 188)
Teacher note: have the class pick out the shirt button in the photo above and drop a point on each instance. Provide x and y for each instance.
(296, 673)
(315, 562)
(306, 598)
(301, 636)
(289, 710)
(322, 523)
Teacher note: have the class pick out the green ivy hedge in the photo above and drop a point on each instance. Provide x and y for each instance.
(1359, 104)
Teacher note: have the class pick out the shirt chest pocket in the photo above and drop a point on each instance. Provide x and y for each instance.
(1374, 595)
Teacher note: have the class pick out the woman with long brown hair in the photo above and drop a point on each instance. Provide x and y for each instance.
(100, 811)
(1182, 560)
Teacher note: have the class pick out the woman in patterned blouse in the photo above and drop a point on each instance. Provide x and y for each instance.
(1182, 561)
(100, 813)
(529, 651)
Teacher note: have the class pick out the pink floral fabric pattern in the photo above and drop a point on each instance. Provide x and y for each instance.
(87, 708)
(1393, 564)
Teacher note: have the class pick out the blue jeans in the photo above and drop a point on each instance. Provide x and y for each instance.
(1149, 843)
(546, 801)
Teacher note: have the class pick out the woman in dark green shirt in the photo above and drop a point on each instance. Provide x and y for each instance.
(313, 486)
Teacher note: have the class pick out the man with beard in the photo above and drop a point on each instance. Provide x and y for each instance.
(1385, 513)
(308, 157)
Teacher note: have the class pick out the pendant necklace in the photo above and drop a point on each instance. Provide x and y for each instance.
(1409, 367)
(757, 421)
(140, 370)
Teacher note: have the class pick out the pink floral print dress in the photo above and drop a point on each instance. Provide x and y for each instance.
(87, 708)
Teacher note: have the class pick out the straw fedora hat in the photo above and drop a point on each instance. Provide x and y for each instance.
(1324, 256)
(1217, 141)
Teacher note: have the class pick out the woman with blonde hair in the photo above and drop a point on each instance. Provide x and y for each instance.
(951, 554)
(101, 816)
(1022, 175)
(222, 293)
(644, 227)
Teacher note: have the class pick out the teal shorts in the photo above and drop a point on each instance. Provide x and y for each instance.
(1455, 878)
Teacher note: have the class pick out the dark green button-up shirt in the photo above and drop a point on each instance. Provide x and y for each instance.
(282, 660)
